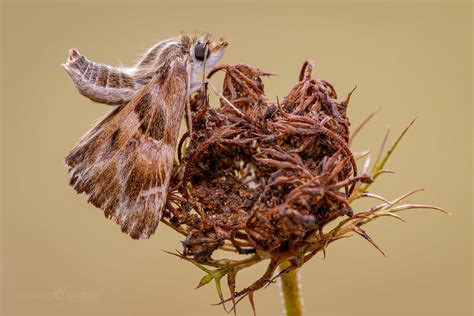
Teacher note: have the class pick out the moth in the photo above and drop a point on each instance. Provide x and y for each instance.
(124, 163)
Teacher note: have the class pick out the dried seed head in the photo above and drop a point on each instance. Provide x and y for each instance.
(268, 179)
(264, 178)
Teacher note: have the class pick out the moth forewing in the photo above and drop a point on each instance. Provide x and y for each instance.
(124, 164)
(102, 83)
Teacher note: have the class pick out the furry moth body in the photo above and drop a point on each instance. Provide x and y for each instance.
(124, 163)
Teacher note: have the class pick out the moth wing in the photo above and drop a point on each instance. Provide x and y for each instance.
(124, 163)
(102, 83)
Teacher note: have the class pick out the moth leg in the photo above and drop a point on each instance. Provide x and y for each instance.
(189, 119)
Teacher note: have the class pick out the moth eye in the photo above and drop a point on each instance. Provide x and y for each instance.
(199, 51)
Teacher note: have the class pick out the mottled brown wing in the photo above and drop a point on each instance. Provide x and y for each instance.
(124, 163)
(102, 83)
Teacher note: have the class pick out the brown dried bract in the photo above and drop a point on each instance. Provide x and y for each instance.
(266, 180)
(262, 177)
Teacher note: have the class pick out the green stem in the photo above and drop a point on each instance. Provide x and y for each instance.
(291, 291)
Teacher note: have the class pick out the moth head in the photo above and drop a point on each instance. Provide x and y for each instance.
(205, 53)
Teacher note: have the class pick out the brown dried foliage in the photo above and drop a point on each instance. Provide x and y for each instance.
(263, 178)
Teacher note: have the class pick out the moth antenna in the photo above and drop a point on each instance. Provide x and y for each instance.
(203, 82)
(204, 63)
(219, 94)
(188, 108)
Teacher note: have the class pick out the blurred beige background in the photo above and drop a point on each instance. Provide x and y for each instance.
(60, 256)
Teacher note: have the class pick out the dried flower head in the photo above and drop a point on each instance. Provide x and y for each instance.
(263, 178)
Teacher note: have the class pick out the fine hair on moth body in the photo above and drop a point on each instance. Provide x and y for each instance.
(124, 163)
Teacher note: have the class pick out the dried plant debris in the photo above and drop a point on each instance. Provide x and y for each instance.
(263, 178)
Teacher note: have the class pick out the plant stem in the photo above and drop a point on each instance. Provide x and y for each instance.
(291, 291)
